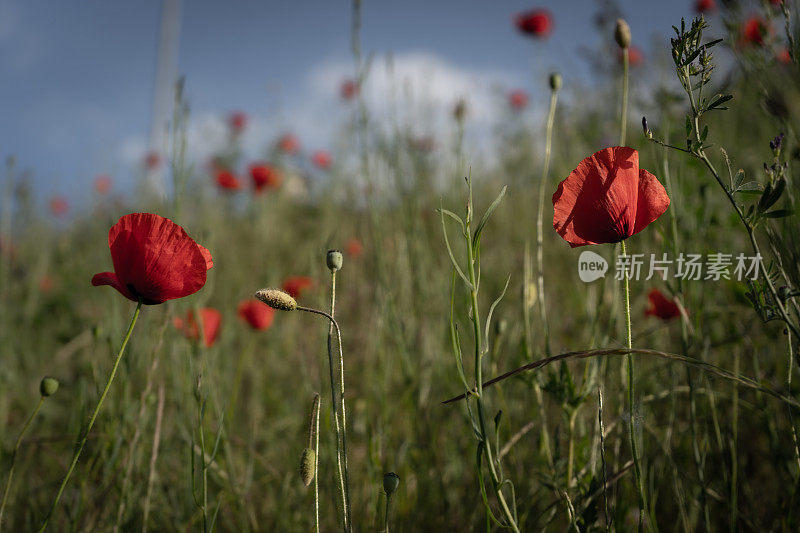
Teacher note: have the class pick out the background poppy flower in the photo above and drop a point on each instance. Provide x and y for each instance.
(226, 180)
(661, 306)
(152, 160)
(607, 199)
(754, 30)
(237, 121)
(783, 56)
(322, 159)
(59, 206)
(256, 313)
(211, 320)
(349, 89)
(289, 144)
(635, 56)
(536, 23)
(154, 259)
(518, 100)
(264, 177)
(354, 247)
(704, 6)
(102, 184)
(296, 285)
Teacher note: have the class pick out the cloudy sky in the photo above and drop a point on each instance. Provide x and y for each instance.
(78, 77)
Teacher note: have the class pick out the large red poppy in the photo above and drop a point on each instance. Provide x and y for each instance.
(296, 285)
(211, 320)
(264, 177)
(661, 306)
(607, 198)
(536, 23)
(154, 260)
(256, 313)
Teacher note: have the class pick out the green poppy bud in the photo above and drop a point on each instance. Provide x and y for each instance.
(48, 386)
(622, 34)
(390, 483)
(555, 81)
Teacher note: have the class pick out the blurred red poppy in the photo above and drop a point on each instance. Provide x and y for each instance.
(152, 160)
(322, 159)
(211, 320)
(296, 285)
(635, 56)
(154, 260)
(59, 206)
(349, 89)
(661, 306)
(102, 184)
(518, 100)
(226, 180)
(607, 199)
(289, 144)
(237, 121)
(783, 56)
(754, 30)
(265, 177)
(354, 248)
(46, 283)
(705, 6)
(537, 23)
(258, 314)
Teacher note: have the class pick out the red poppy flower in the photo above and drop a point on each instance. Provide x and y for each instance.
(59, 206)
(211, 319)
(784, 56)
(661, 306)
(154, 259)
(607, 198)
(354, 247)
(537, 23)
(635, 56)
(705, 6)
(322, 159)
(265, 177)
(152, 160)
(237, 121)
(296, 285)
(102, 184)
(289, 144)
(754, 30)
(226, 180)
(518, 100)
(349, 89)
(256, 313)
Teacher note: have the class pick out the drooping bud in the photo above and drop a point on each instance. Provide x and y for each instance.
(390, 483)
(622, 34)
(334, 260)
(646, 128)
(48, 386)
(277, 299)
(555, 81)
(308, 466)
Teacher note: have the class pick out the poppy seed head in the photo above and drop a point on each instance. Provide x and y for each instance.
(277, 299)
(334, 260)
(48, 386)
(390, 482)
(622, 34)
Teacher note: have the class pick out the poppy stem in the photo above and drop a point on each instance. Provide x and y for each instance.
(631, 427)
(14, 456)
(624, 113)
(93, 418)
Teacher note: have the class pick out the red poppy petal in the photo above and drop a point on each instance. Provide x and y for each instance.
(652, 202)
(596, 202)
(212, 319)
(110, 278)
(206, 256)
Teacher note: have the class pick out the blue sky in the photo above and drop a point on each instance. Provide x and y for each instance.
(78, 76)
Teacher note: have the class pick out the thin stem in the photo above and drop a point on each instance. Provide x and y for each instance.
(734, 454)
(14, 457)
(603, 455)
(386, 516)
(85, 437)
(318, 402)
(631, 404)
(539, 217)
(571, 446)
(624, 114)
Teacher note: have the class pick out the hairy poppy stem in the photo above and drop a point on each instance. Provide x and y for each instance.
(14, 456)
(631, 404)
(92, 420)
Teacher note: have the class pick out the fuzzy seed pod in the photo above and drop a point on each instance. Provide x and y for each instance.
(307, 464)
(277, 299)
(390, 482)
(622, 34)
(555, 81)
(334, 260)
(48, 386)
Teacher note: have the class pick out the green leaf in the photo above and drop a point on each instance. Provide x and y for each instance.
(486, 215)
(491, 311)
(737, 181)
(779, 213)
(718, 100)
(450, 252)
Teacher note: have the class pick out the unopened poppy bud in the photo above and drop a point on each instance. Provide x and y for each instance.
(307, 464)
(334, 260)
(622, 34)
(390, 483)
(48, 386)
(277, 299)
(555, 81)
